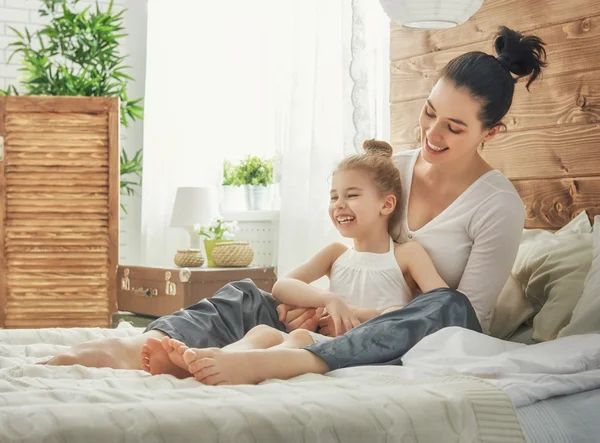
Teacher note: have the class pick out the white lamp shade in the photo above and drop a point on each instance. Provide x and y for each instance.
(430, 14)
(194, 205)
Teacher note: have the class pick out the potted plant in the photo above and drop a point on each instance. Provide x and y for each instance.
(232, 193)
(217, 232)
(257, 176)
(78, 54)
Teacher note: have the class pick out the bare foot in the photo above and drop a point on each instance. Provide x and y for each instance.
(175, 349)
(116, 353)
(155, 360)
(213, 366)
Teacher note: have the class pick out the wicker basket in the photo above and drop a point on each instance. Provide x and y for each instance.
(189, 258)
(233, 254)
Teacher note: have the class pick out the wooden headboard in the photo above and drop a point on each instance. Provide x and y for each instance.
(551, 151)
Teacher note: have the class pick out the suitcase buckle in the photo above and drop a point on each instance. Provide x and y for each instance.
(170, 287)
(125, 282)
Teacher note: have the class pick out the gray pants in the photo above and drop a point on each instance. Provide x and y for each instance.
(239, 306)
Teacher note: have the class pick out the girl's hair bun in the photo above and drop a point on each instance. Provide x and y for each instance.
(378, 147)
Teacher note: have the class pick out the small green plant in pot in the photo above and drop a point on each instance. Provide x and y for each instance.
(78, 54)
(233, 196)
(217, 232)
(257, 175)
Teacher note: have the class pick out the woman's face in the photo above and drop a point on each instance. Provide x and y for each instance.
(450, 125)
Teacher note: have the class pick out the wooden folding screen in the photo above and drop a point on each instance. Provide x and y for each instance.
(59, 208)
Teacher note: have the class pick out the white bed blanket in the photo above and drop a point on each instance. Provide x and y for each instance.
(77, 404)
(527, 373)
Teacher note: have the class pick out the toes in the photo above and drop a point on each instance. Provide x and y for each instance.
(165, 343)
(192, 354)
(211, 380)
(153, 344)
(181, 349)
(206, 372)
(178, 346)
(200, 364)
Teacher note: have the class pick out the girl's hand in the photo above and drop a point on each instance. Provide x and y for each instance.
(326, 326)
(342, 316)
(299, 318)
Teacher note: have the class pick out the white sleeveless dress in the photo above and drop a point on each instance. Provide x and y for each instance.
(368, 280)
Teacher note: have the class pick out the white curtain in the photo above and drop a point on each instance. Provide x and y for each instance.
(339, 96)
(305, 80)
(210, 90)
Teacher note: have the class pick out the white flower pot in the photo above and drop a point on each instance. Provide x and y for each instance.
(233, 198)
(258, 198)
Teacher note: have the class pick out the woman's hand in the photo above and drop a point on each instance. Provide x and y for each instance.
(341, 316)
(299, 318)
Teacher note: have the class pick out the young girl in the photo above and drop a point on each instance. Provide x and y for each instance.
(375, 276)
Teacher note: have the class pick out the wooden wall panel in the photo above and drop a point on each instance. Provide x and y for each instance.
(570, 99)
(551, 150)
(574, 45)
(516, 14)
(60, 211)
(553, 203)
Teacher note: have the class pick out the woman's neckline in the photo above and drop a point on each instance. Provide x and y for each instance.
(448, 208)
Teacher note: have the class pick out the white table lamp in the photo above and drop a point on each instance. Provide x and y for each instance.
(194, 205)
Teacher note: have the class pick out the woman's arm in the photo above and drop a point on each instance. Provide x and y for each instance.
(496, 230)
(420, 266)
(295, 289)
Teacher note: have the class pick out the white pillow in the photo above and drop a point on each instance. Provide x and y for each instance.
(551, 269)
(511, 311)
(586, 315)
(513, 308)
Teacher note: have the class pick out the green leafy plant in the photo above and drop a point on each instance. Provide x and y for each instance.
(77, 54)
(231, 174)
(130, 167)
(254, 170)
(218, 230)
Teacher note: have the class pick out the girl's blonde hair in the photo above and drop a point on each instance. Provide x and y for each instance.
(377, 161)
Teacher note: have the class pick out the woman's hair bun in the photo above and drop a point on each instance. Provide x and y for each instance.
(378, 147)
(520, 54)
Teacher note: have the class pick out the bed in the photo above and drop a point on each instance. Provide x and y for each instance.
(456, 385)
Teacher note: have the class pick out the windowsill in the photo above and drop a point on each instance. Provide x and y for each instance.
(245, 216)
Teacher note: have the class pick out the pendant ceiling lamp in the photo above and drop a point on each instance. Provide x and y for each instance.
(430, 14)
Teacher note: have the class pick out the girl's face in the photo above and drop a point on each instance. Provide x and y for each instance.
(356, 206)
(450, 125)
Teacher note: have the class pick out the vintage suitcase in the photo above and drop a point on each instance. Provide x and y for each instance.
(162, 291)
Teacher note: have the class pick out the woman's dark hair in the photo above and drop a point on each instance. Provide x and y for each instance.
(490, 78)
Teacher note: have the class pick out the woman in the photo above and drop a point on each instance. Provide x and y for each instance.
(466, 215)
